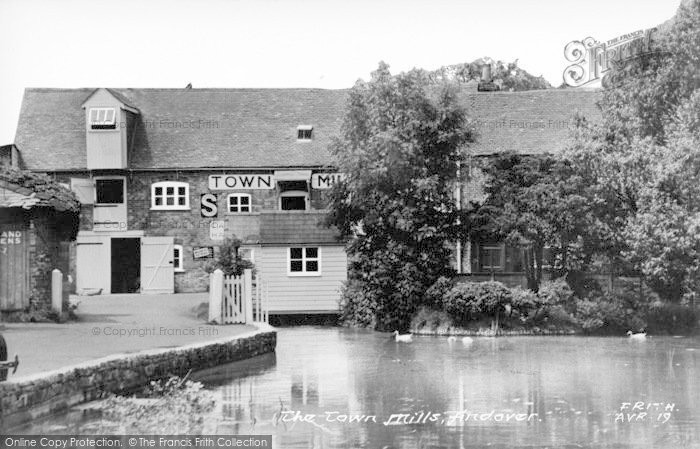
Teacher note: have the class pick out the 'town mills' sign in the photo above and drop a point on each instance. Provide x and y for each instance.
(266, 182)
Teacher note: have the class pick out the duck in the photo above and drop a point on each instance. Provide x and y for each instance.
(637, 336)
(451, 339)
(467, 340)
(406, 338)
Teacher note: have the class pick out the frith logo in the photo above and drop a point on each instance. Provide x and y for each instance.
(591, 59)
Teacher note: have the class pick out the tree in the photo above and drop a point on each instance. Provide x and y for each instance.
(229, 259)
(508, 76)
(399, 147)
(534, 202)
(641, 162)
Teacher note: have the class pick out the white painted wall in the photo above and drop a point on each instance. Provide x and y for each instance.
(302, 294)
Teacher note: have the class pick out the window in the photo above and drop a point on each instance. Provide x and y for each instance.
(304, 261)
(170, 195)
(109, 191)
(103, 118)
(177, 258)
(293, 200)
(304, 132)
(247, 254)
(238, 203)
(491, 256)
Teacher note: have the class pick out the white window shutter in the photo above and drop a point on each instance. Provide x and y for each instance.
(84, 189)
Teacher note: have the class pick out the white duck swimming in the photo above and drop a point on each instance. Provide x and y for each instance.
(406, 338)
(451, 339)
(467, 341)
(637, 336)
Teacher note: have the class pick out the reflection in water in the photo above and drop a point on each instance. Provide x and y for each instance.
(340, 388)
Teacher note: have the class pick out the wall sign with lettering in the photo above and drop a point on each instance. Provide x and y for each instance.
(216, 230)
(203, 252)
(209, 208)
(325, 180)
(11, 238)
(244, 182)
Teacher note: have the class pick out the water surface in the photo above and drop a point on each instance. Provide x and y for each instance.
(506, 392)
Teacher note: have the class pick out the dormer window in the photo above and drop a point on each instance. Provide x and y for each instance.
(304, 132)
(103, 118)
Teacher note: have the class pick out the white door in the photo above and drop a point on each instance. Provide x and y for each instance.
(93, 264)
(157, 265)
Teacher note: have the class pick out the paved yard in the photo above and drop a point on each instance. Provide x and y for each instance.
(112, 324)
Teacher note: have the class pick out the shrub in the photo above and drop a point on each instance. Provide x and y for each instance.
(608, 316)
(358, 307)
(556, 292)
(435, 295)
(175, 406)
(229, 259)
(467, 301)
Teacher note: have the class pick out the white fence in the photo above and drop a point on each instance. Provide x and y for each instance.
(237, 299)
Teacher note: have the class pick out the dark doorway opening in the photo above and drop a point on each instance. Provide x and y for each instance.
(126, 265)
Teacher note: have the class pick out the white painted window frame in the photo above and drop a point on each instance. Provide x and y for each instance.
(239, 196)
(176, 185)
(104, 121)
(179, 267)
(304, 259)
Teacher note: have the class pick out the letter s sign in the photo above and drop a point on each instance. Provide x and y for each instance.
(209, 208)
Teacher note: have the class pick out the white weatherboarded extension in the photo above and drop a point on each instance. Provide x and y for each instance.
(157, 265)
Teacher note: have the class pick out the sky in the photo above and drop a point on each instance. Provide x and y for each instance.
(287, 43)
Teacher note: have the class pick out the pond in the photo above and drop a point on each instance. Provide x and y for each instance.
(340, 388)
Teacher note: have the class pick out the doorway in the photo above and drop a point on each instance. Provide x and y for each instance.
(126, 265)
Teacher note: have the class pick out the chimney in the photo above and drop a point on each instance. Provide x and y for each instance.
(486, 84)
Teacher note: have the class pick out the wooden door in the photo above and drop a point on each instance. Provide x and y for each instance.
(14, 270)
(157, 274)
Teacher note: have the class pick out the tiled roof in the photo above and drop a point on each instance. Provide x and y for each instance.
(282, 228)
(255, 128)
(531, 122)
(182, 128)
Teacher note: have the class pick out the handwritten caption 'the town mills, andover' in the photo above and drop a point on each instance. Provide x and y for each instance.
(401, 419)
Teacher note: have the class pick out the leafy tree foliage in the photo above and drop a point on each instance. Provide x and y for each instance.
(642, 163)
(399, 148)
(507, 75)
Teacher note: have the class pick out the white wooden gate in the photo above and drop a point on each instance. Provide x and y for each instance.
(237, 299)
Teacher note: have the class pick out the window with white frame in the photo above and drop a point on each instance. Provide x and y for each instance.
(304, 261)
(238, 203)
(170, 195)
(178, 258)
(103, 118)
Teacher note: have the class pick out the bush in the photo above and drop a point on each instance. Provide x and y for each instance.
(358, 307)
(556, 292)
(467, 301)
(609, 316)
(229, 259)
(435, 295)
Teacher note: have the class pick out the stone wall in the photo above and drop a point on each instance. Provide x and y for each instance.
(40, 395)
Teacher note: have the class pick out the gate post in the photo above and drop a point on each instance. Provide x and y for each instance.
(216, 291)
(248, 294)
(57, 291)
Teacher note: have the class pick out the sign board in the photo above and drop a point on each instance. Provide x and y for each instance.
(11, 238)
(208, 205)
(216, 230)
(325, 180)
(203, 252)
(241, 182)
